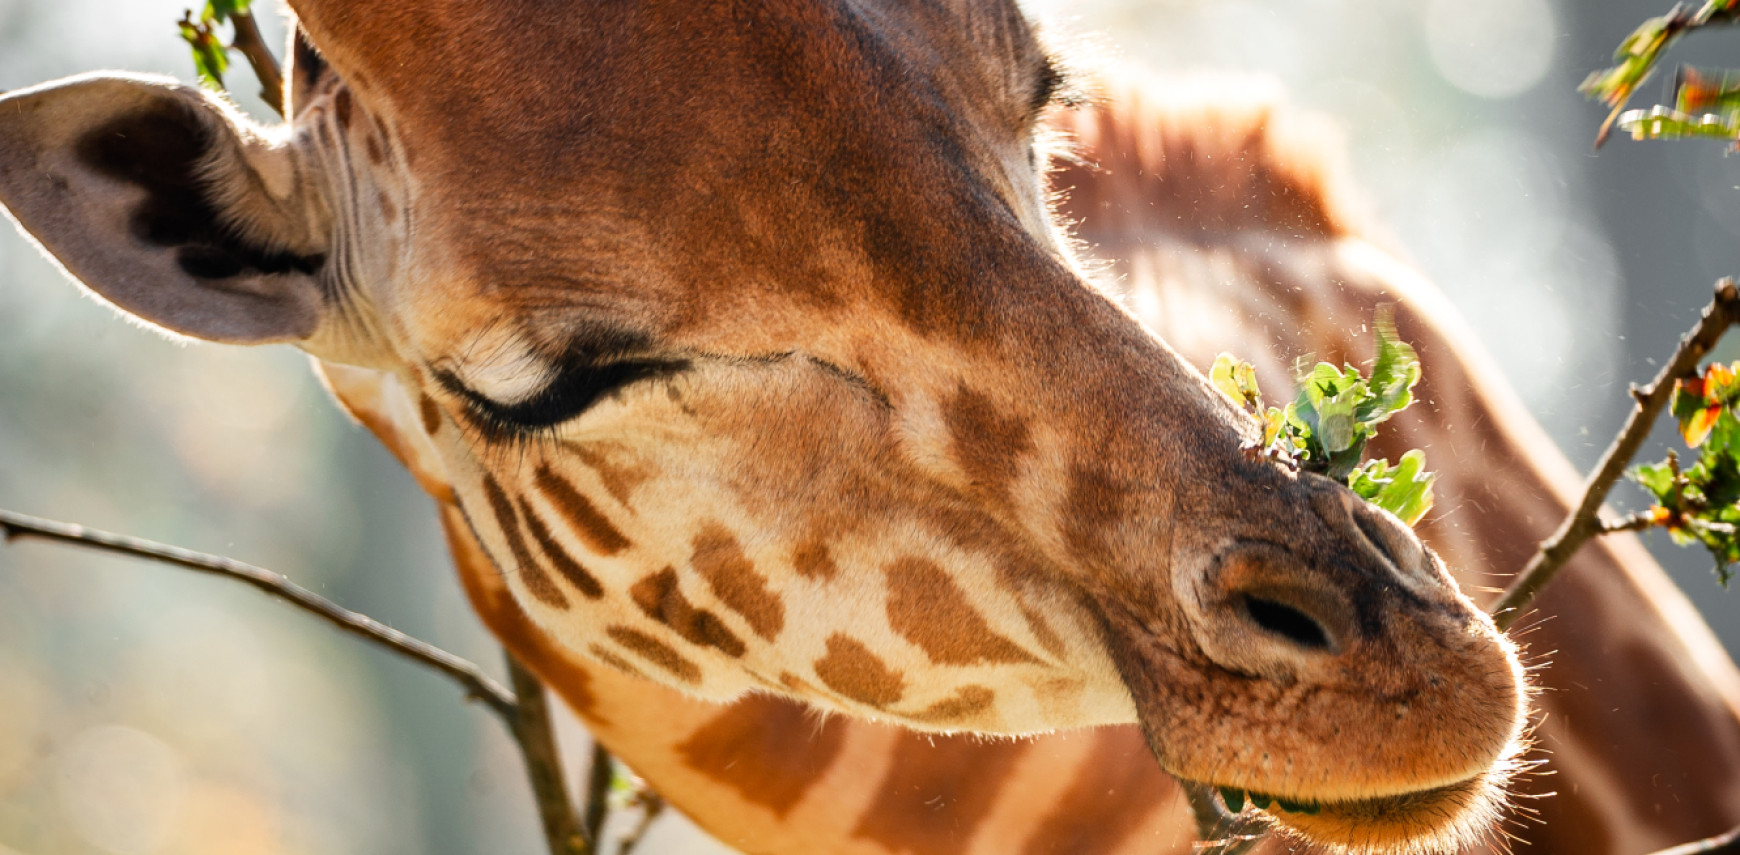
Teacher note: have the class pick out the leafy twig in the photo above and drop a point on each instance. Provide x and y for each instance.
(1641, 50)
(1584, 522)
(260, 58)
(211, 56)
(476, 684)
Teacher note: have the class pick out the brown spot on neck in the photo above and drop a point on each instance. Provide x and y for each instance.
(578, 576)
(812, 561)
(536, 581)
(925, 806)
(1041, 630)
(656, 652)
(853, 671)
(965, 706)
(430, 413)
(767, 749)
(618, 480)
(720, 560)
(1093, 503)
(341, 103)
(587, 523)
(988, 444)
(928, 609)
(660, 597)
(602, 654)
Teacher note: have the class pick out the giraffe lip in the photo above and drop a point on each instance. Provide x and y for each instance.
(1406, 801)
(1431, 819)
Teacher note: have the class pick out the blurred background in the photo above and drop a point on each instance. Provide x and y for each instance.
(146, 710)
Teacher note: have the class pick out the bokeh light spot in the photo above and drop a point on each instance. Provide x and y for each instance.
(1491, 48)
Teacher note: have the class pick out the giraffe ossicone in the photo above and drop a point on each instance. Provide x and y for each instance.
(746, 344)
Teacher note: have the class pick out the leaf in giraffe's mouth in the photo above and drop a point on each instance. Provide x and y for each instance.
(1235, 802)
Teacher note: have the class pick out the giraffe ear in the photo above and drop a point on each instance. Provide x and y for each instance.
(167, 203)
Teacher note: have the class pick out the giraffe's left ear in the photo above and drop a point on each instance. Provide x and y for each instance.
(167, 203)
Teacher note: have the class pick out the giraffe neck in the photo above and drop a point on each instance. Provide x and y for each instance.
(765, 774)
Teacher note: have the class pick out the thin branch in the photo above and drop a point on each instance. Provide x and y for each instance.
(651, 805)
(531, 729)
(1585, 522)
(1721, 844)
(260, 58)
(1211, 819)
(598, 779)
(477, 685)
(1635, 522)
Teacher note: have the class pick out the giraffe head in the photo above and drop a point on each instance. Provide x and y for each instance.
(743, 338)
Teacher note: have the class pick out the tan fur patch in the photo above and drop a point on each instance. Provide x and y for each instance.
(532, 575)
(662, 600)
(656, 652)
(855, 672)
(720, 560)
(928, 609)
(578, 576)
(753, 747)
(592, 527)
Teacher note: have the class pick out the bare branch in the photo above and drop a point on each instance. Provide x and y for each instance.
(476, 684)
(598, 780)
(1585, 522)
(651, 805)
(531, 729)
(1217, 832)
(1635, 522)
(1721, 844)
(260, 58)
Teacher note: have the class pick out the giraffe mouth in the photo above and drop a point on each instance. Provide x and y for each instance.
(1436, 819)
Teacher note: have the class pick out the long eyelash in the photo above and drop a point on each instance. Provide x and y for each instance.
(574, 391)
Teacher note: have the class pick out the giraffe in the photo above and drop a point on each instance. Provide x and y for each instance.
(1640, 727)
(748, 444)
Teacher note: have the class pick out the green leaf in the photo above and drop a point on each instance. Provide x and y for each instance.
(1234, 799)
(1404, 489)
(1237, 380)
(1657, 478)
(221, 10)
(1396, 369)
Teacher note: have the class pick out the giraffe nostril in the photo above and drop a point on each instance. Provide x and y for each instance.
(1287, 622)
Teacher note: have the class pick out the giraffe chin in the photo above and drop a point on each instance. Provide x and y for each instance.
(1447, 818)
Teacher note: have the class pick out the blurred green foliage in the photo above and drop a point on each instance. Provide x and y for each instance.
(1636, 58)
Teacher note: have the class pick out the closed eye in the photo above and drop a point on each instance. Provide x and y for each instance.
(573, 391)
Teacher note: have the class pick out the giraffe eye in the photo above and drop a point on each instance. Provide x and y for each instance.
(572, 391)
